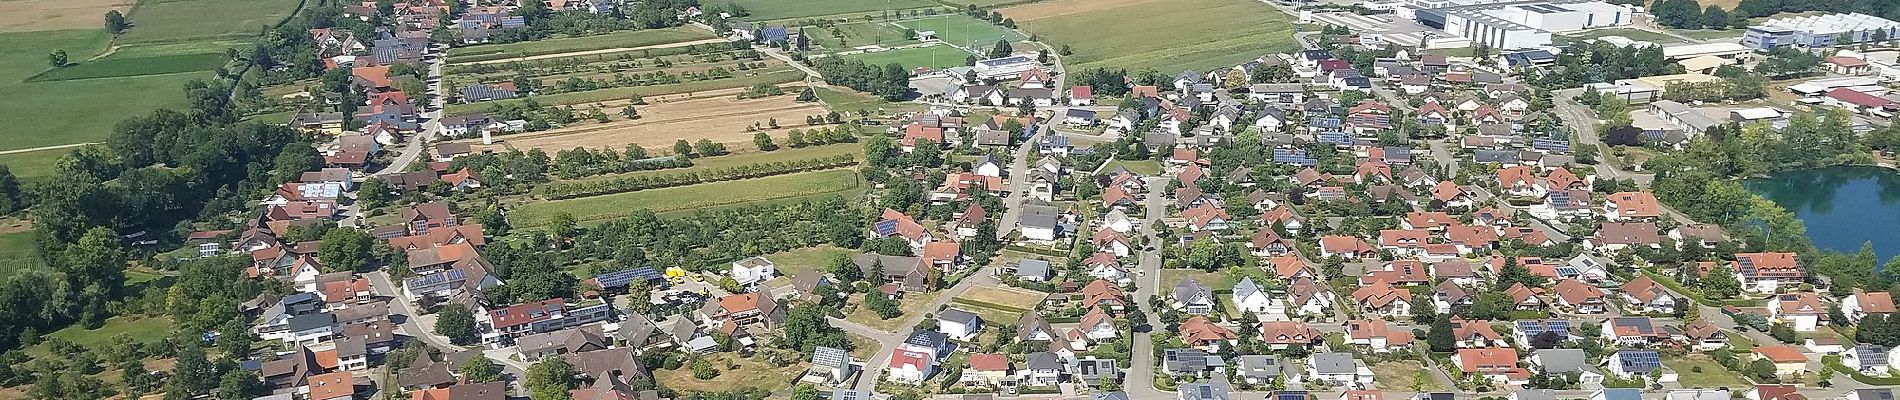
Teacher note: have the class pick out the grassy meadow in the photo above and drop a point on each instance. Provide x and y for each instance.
(933, 57)
(961, 30)
(1201, 34)
(769, 10)
(690, 197)
(195, 20)
(774, 76)
(620, 39)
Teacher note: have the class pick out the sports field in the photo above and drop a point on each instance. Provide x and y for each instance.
(962, 31)
(691, 197)
(767, 10)
(621, 39)
(1198, 34)
(934, 57)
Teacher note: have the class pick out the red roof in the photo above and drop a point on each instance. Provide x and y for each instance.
(1081, 92)
(1858, 98)
(527, 312)
(989, 362)
(1849, 62)
(914, 359)
(1501, 359)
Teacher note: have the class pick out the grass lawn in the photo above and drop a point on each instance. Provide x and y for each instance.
(797, 261)
(117, 65)
(1632, 33)
(139, 328)
(849, 101)
(859, 34)
(933, 57)
(748, 158)
(910, 305)
(1201, 34)
(1218, 280)
(1707, 34)
(17, 252)
(766, 10)
(684, 198)
(32, 164)
(1002, 298)
(961, 30)
(746, 372)
(185, 20)
(633, 38)
(991, 316)
(777, 75)
(862, 348)
(1452, 52)
(1712, 375)
(1142, 167)
(1404, 375)
(25, 108)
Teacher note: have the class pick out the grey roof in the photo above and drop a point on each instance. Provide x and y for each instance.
(1333, 363)
(311, 321)
(1216, 390)
(958, 315)
(830, 357)
(1033, 268)
(1038, 216)
(1261, 366)
(1080, 113)
(1871, 355)
(1493, 156)
(1093, 369)
(1110, 396)
(1030, 323)
(1561, 360)
(1620, 394)
(1042, 360)
(1184, 360)
(1246, 287)
(1536, 394)
(1874, 394)
(1189, 289)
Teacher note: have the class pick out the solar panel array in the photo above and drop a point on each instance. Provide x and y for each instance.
(437, 278)
(885, 227)
(1639, 359)
(623, 278)
(1291, 395)
(1550, 144)
(1335, 138)
(1295, 157)
(1534, 328)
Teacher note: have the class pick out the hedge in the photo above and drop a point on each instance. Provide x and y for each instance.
(569, 190)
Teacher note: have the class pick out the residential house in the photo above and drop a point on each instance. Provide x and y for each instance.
(1802, 311)
(1790, 362)
(1191, 297)
(1767, 272)
(1861, 304)
(1633, 331)
(1647, 296)
(1498, 364)
(1339, 369)
(1378, 335)
(958, 324)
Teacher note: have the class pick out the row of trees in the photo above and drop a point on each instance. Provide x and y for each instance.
(574, 189)
(892, 81)
(1688, 14)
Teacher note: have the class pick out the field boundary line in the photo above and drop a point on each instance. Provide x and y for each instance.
(45, 148)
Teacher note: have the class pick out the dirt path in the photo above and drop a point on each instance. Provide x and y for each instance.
(601, 51)
(30, 150)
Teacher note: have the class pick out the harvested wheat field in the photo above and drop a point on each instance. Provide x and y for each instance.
(1054, 8)
(45, 15)
(721, 119)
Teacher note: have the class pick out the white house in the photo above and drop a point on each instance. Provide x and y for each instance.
(1248, 297)
(1859, 305)
(1801, 311)
(958, 324)
(753, 272)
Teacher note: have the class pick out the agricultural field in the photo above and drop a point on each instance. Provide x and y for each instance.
(690, 198)
(44, 15)
(16, 248)
(846, 101)
(721, 87)
(772, 10)
(721, 119)
(1203, 34)
(35, 163)
(193, 20)
(963, 31)
(933, 57)
(617, 41)
(746, 158)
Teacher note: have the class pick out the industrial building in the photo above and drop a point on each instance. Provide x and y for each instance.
(1005, 68)
(1519, 24)
(1809, 31)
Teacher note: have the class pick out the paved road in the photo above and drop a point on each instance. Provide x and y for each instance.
(1141, 374)
(432, 114)
(411, 320)
(1018, 186)
(888, 341)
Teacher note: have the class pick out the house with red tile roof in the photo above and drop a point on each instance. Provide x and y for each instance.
(1632, 206)
(1471, 333)
(1200, 333)
(1289, 266)
(1614, 237)
(1774, 392)
(1472, 239)
(1802, 311)
(1522, 181)
(1288, 334)
(1381, 299)
(1345, 246)
(1498, 364)
(895, 224)
(1398, 273)
(1579, 297)
(1377, 334)
(1861, 304)
(1404, 241)
(1427, 220)
(1768, 272)
(1646, 296)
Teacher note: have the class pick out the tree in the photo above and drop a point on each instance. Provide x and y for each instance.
(881, 304)
(1762, 370)
(709, 148)
(1440, 337)
(1001, 49)
(457, 323)
(115, 22)
(1512, 273)
(682, 148)
(804, 391)
(1720, 284)
(345, 249)
(11, 198)
(1715, 17)
(1064, 50)
(479, 369)
(238, 384)
(193, 374)
(1784, 333)
(703, 369)
(552, 373)
(764, 142)
(58, 58)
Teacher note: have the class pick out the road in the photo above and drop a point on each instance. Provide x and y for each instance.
(1584, 121)
(889, 341)
(1018, 185)
(432, 116)
(1141, 375)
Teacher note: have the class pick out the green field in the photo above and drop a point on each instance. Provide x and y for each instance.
(858, 34)
(62, 112)
(728, 161)
(1200, 34)
(17, 252)
(139, 328)
(769, 10)
(692, 197)
(33, 163)
(934, 57)
(1139, 167)
(961, 30)
(797, 261)
(117, 66)
(778, 75)
(190, 20)
(620, 39)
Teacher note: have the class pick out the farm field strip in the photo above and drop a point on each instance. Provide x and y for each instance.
(771, 10)
(26, 16)
(558, 46)
(767, 76)
(604, 51)
(196, 20)
(720, 119)
(962, 30)
(1212, 33)
(691, 197)
(747, 158)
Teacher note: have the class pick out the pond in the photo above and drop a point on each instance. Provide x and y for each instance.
(1842, 207)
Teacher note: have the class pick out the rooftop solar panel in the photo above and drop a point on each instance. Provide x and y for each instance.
(886, 227)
